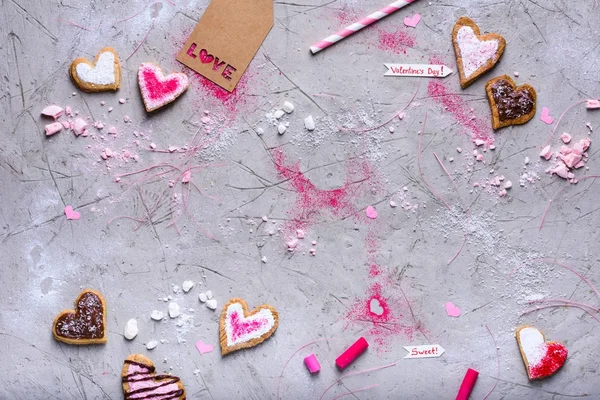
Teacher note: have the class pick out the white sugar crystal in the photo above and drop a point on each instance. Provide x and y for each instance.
(309, 123)
(202, 297)
(209, 295)
(212, 304)
(288, 107)
(157, 315)
(131, 329)
(281, 129)
(151, 344)
(278, 114)
(187, 286)
(174, 310)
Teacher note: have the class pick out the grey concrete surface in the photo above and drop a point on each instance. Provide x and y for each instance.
(219, 238)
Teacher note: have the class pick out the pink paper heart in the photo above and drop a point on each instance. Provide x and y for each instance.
(546, 116)
(71, 214)
(203, 347)
(371, 212)
(452, 310)
(412, 21)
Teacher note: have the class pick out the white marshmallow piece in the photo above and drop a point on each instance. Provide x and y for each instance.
(131, 329)
(157, 315)
(174, 310)
(202, 297)
(187, 286)
(151, 345)
(309, 123)
(212, 304)
(288, 107)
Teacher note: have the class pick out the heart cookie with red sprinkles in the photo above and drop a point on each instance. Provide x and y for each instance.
(241, 329)
(157, 89)
(541, 358)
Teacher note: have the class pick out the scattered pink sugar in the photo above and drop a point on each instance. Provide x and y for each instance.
(458, 108)
(395, 41)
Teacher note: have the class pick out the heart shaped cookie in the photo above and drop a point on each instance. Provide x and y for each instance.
(158, 90)
(511, 105)
(240, 329)
(101, 75)
(475, 54)
(140, 381)
(541, 358)
(84, 325)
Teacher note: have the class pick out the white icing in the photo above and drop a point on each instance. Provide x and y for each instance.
(533, 345)
(101, 74)
(475, 53)
(263, 314)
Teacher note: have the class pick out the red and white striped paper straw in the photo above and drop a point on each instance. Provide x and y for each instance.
(357, 26)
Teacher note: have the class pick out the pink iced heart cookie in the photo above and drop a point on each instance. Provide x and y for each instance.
(541, 358)
(158, 90)
(475, 54)
(241, 329)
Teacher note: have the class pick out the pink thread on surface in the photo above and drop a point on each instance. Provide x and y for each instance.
(290, 358)
(355, 391)
(79, 26)
(565, 302)
(498, 361)
(356, 373)
(142, 42)
(558, 305)
(559, 192)
(560, 118)
(431, 189)
(396, 115)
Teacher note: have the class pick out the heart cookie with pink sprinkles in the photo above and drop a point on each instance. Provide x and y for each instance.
(475, 54)
(157, 89)
(241, 329)
(542, 359)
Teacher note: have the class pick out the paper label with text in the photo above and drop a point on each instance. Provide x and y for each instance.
(426, 70)
(424, 351)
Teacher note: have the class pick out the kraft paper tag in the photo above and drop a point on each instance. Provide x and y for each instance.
(226, 39)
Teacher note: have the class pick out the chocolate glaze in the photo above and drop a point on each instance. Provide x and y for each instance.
(168, 379)
(87, 322)
(511, 104)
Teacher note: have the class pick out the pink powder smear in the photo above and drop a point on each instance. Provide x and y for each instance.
(458, 108)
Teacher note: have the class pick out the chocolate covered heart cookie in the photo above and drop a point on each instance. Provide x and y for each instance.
(86, 324)
(510, 105)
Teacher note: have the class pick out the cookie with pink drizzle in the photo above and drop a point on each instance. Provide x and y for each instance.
(475, 54)
(541, 358)
(157, 89)
(141, 382)
(241, 329)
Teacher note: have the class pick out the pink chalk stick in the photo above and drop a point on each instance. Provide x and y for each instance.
(352, 353)
(467, 385)
(312, 364)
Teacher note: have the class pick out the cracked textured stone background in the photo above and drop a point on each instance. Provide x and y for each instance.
(220, 237)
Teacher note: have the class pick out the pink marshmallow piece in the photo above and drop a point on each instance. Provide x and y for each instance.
(112, 130)
(565, 137)
(560, 170)
(546, 153)
(53, 111)
(79, 126)
(312, 364)
(592, 104)
(571, 160)
(53, 128)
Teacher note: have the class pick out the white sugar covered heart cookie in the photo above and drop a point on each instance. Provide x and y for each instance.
(140, 381)
(475, 54)
(101, 75)
(541, 358)
(241, 329)
(158, 90)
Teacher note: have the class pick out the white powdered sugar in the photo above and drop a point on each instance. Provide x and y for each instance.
(102, 74)
(533, 345)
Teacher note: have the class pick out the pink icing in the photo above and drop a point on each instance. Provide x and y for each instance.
(138, 382)
(157, 89)
(241, 326)
(475, 53)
